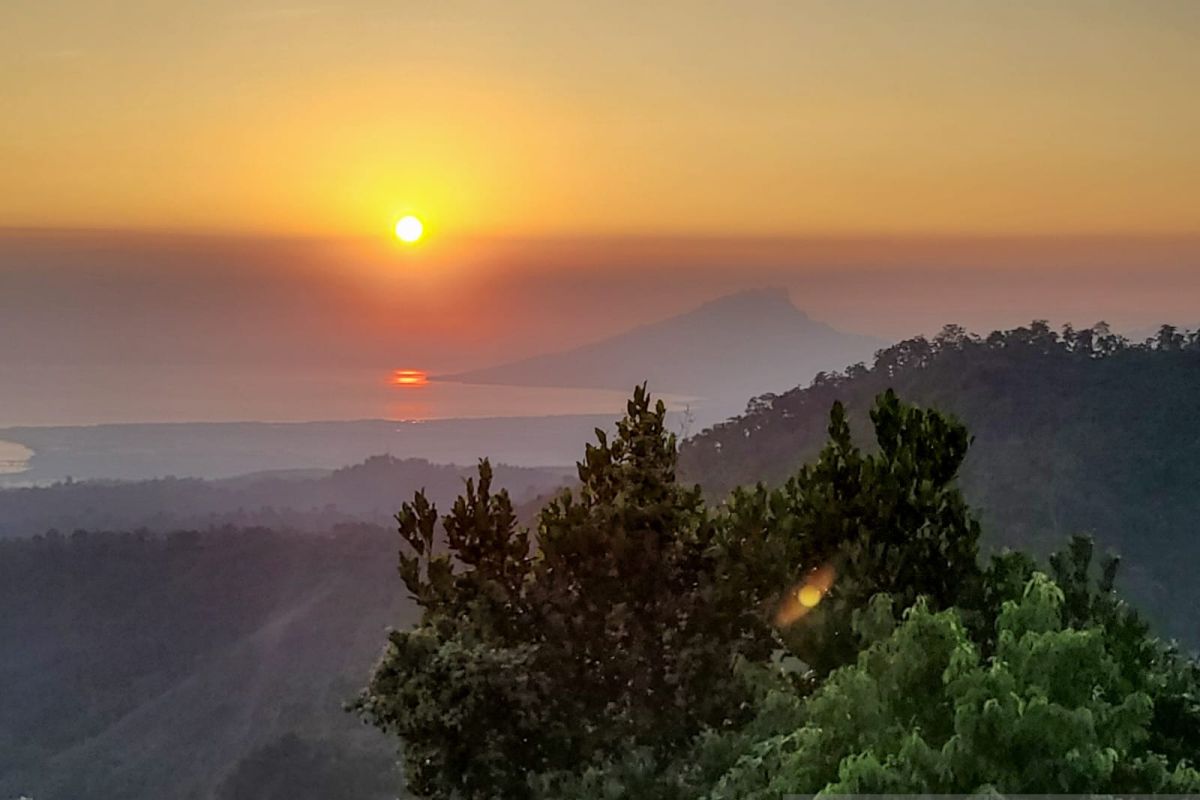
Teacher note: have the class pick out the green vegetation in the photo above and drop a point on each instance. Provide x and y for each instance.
(616, 631)
(641, 640)
(838, 633)
(1075, 432)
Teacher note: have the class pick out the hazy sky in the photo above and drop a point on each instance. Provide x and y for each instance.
(119, 327)
(548, 118)
(118, 299)
(205, 189)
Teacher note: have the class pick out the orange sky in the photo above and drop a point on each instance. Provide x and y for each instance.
(549, 118)
(136, 327)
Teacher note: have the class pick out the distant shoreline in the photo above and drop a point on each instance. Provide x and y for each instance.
(228, 449)
(14, 458)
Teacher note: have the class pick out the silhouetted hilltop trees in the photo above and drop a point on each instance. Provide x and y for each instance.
(1075, 431)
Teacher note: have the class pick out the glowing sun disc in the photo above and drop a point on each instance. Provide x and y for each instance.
(409, 229)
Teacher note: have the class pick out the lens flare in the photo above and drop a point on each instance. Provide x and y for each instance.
(809, 596)
(805, 596)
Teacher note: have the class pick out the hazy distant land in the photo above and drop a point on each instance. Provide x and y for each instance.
(311, 501)
(533, 412)
(223, 450)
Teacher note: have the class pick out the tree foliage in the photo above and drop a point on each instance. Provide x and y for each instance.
(639, 644)
(1075, 430)
(889, 521)
(1056, 709)
(607, 633)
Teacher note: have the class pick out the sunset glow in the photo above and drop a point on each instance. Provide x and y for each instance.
(747, 332)
(310, 121)
(409, 378)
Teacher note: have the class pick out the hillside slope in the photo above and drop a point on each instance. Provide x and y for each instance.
(1079, 432)
(153, 667)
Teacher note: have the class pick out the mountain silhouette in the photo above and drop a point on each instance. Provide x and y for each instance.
(735, 346)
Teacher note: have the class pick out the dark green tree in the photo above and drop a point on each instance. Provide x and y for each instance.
(614, 632)
(859, 524)
(604, 632)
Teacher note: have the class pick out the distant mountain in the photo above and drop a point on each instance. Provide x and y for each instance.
(1078, 432)
(728, 349)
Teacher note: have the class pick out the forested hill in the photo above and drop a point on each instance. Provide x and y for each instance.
(307, 500)
(194, 664)
(1074, 431)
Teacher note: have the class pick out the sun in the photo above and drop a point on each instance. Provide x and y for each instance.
(409, 229)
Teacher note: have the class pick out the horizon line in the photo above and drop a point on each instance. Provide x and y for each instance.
(666, 236)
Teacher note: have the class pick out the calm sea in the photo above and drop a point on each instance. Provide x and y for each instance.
(88, 395)
(51, 397)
